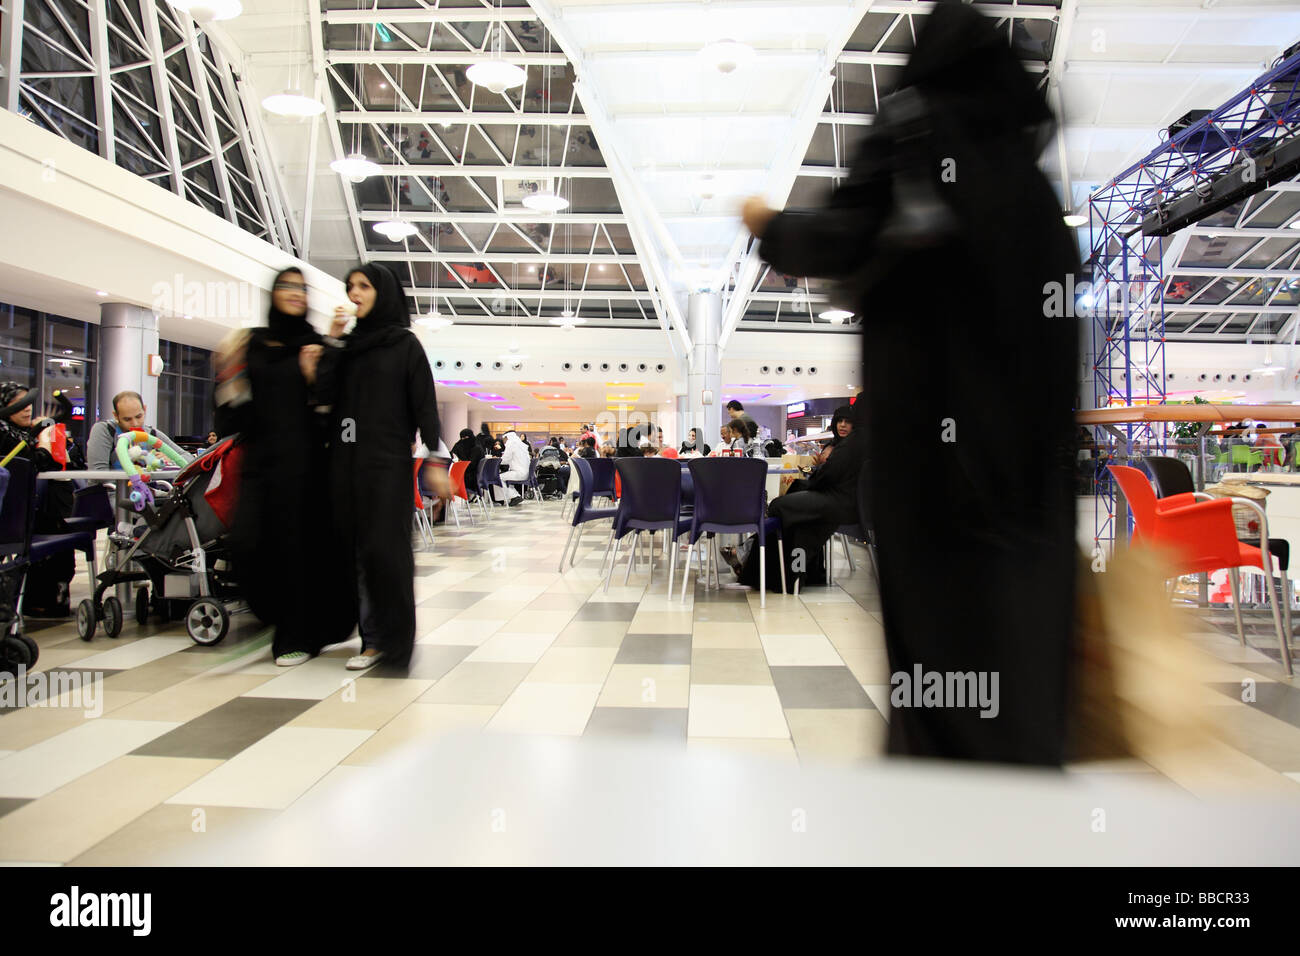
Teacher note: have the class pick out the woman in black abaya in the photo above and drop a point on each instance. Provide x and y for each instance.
(977, 552)
(380, 388)
(281, 534)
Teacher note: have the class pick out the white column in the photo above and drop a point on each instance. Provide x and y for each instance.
(704, 322)
(453, 415)
(128, 335)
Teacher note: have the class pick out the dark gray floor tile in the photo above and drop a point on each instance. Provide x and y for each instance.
(819, 687)
(428, 662)
(665, 722)
(607, 611)
(1277, 700)
(453, 600)
(11, 803)
(654, 649)
(224, 731)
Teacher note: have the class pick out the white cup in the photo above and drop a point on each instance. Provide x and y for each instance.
(349, 308)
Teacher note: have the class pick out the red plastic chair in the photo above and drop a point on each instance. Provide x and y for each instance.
(422, 521)
(458, 490)
(1200, 536)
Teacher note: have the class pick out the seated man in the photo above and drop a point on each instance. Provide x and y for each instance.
(809, 518)
(129, 414)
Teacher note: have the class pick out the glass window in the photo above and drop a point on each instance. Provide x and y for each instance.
(18, 366)
(71, 377)
(69, 337)
(17, 327)
(167, 415)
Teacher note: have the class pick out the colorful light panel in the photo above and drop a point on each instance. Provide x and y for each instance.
(457, 383)
(486, 396)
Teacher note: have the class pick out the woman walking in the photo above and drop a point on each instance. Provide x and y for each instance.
(380, 391)
(281, 533)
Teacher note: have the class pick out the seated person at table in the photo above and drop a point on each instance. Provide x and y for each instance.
(46, 591)
(587, 449)
(808, 519)
(129, 412)
(471, 450)
(734, 438)
(693, 445)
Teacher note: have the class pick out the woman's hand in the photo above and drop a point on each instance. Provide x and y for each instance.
(308, 359)
(339, 322)
(46, 439)
(757, 214)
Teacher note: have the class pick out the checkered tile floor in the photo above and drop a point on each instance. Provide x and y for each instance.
(507, 645)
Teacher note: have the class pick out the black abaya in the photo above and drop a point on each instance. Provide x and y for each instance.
(381, 390)
(282, 538)
(976, 551)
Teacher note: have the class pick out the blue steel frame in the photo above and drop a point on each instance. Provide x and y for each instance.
(1128, 281)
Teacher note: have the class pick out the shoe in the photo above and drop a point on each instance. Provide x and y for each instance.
(292, 659)
(736, 586)
(361, 662)
(516, 501)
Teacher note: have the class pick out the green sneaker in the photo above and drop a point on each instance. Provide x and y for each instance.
(292, 658)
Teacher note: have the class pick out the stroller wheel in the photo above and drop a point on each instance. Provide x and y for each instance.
(31, 646)
(16, 651)
(86, 619)
(142, 605)
(112, 616)
(207, 621)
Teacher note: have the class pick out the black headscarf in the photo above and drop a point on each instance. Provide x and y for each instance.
(293, 331)
(390, 316)
(961, 54)
(9, 392)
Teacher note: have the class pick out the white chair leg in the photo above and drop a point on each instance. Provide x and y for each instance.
(1283, 645)
(636, 539)
(848, 556)
(686, 575)
(573, 555)
(613, 559)
(609, 546)
(455, 514)
(1234, 576)
(568, 542)
(672, 566)
(830, 563)
(762, 576)
(651, 548)
(1286, 605)
(780, 553)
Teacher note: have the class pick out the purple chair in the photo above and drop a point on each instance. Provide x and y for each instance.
(731, 498)
(602, 477)
(583, 512)
(525, 485)
(489, 475)
(652, 500)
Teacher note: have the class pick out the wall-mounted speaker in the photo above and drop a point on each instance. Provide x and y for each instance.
(586, 366)
(1232, 378)
(798, 370)
(1202, 377)
(660, 367)
(622, 366)
(812, 369)
(478, 364)
(1246, 377)
(780, 370)
(439, 364)
(604, 366)
(567, 366)
(459, 364)
(496, 364)
(765, 369)
(642, 367)
(1218, 377)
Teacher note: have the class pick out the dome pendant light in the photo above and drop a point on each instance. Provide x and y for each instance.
(545, 200)
(355, 165)
(205, 11)
(496, 75)
(293, 103)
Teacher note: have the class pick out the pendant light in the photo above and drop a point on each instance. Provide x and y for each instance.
(548, 200)
(293, 102)
(835, 316)
(205, 11)
(431, 319)
(356, 166)
(496, 75)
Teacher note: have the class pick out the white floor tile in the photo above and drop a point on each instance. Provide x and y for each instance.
(540, 708)
(50, 764)
(736, 710)
(139, 652)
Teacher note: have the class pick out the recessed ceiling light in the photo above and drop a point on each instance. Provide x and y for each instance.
(383, 86)
(726, 56)
(835, 316)
(100, 292)
(1074, 220)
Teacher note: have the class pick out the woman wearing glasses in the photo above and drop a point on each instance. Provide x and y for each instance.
(281, 531)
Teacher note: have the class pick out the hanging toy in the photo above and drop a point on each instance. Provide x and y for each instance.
(152, 454)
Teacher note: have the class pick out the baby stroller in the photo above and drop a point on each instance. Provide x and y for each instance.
(180, 548)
